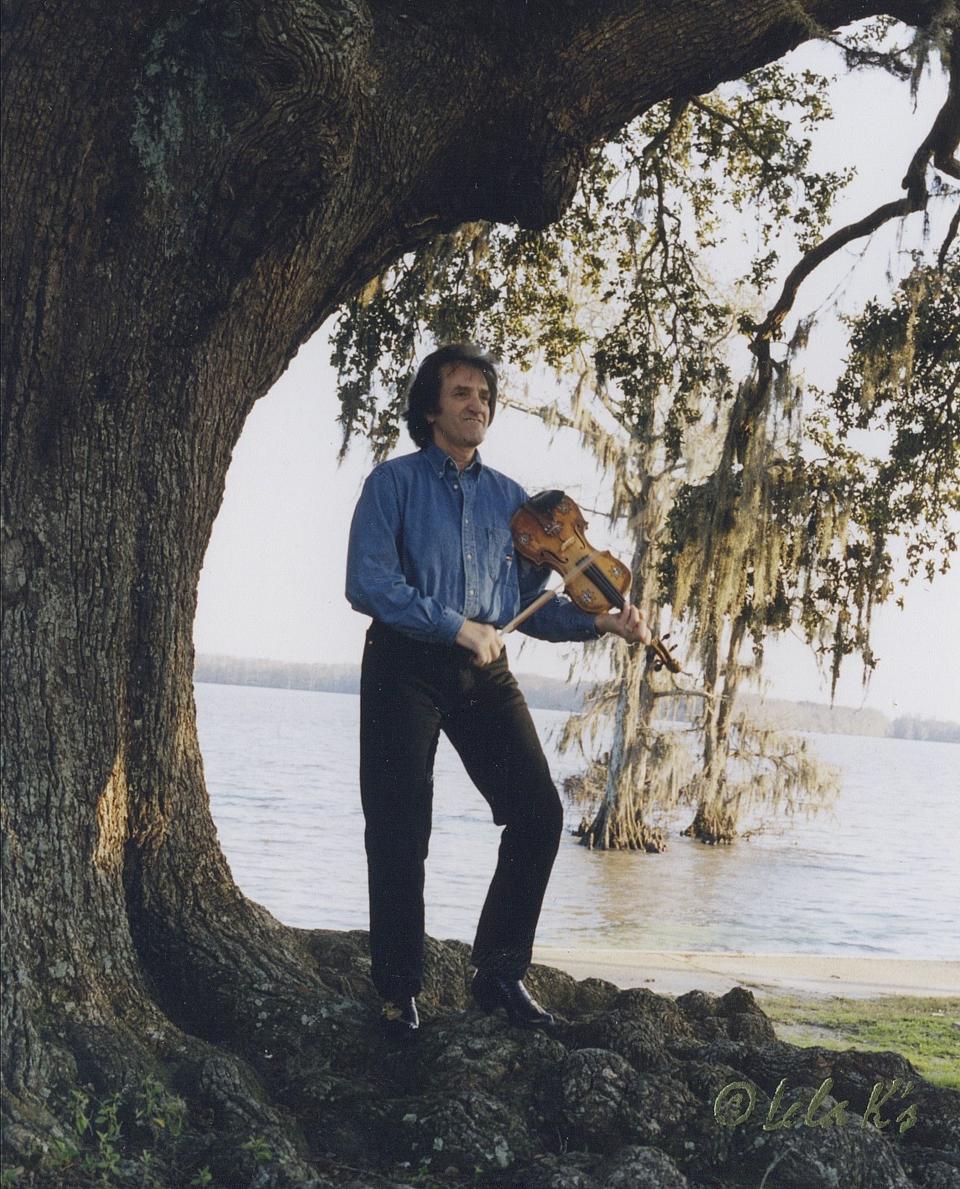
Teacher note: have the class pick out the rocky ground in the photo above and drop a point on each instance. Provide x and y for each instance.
(623, 1094)
(632, 1090)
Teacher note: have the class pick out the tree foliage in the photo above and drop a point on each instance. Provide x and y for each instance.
(754, 510)
(619, 294)
(903, 374)
(803, 531)
(621, 277)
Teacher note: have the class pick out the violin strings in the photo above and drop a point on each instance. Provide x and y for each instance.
(599, 579)
(603, 583)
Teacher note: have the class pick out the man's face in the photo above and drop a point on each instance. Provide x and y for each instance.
(463, 408)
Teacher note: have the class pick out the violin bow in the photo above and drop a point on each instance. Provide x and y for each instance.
(663, 658)
(657, 648)
(547, 595)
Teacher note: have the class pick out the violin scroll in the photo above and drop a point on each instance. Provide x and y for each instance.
(661, 654)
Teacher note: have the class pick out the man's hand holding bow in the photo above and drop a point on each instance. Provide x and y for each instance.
(484, 641)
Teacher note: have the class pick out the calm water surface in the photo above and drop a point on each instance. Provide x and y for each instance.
(878, 875)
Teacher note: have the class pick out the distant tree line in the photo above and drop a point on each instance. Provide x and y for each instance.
(930, 729)
(816, 716)
(551, 693)
(546, 693)
(218, 669)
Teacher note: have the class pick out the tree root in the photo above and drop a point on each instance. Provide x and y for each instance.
(138, 1101)
(624, 834)
(623, 829)
(713, 826)
(314, 1097)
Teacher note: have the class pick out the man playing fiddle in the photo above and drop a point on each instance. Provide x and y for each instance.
(431, 560)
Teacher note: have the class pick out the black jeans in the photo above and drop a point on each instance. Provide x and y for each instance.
(409, 692)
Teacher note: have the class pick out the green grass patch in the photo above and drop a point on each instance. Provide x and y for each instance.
(925, 1031)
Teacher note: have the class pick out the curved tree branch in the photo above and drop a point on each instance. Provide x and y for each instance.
(938, 148)
(949, 238)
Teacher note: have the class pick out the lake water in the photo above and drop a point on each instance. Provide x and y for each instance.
(879, 875)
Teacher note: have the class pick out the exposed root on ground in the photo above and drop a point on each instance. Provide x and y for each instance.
(299, 1089)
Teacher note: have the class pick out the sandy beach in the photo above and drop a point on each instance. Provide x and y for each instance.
(673, 973)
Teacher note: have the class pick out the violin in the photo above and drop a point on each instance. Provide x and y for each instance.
(550, 530)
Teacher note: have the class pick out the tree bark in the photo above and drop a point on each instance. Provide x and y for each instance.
(717, 814)
(622, 818)
(190, 191)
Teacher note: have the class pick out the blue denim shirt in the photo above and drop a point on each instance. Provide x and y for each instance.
(430, 547)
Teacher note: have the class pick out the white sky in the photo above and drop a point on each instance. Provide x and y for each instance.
(272, 582)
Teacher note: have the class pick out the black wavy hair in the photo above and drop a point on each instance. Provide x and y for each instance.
(424, 390)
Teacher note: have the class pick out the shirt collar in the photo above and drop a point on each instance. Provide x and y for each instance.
(439, 459)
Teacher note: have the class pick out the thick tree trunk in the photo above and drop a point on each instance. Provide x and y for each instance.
(190, 190)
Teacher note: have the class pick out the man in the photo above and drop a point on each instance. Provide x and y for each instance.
(431, 560)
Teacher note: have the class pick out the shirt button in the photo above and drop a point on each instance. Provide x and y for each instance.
(469, 556)
(456, 487)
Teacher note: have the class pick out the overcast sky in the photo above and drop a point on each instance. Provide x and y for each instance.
(272, 582)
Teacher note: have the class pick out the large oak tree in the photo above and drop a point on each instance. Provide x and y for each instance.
(190, 190)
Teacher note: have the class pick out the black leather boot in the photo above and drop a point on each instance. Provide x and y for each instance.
(399, 1019)
(491, 992)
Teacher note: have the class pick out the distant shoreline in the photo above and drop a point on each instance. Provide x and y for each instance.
(551, 693)
(676, 972)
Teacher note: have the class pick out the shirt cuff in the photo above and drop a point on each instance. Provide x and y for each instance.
(450, 624)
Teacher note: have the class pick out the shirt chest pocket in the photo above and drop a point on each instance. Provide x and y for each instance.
(500, 552)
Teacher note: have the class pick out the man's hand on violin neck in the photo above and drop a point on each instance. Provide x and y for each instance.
(484, 641)
(628, 623)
